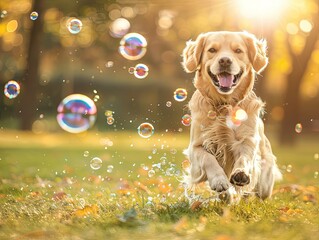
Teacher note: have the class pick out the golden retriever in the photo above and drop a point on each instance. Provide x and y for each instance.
(226, 149)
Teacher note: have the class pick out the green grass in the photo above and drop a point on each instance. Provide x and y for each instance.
(49, 191)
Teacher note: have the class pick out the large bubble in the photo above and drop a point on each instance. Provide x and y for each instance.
(11, 89)
(74, 25)
(76, 113)
(133, 46)
(145, 130)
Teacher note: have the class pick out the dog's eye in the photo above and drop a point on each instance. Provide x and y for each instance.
(238, 50)
(212, 50)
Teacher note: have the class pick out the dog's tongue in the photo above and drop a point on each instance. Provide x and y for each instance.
(225, 80)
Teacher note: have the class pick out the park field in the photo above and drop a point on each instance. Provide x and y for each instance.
(49, 189)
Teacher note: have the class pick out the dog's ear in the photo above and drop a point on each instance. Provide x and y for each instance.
(192, 53)
(257, 51)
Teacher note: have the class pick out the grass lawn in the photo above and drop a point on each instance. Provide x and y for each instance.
(48, 190)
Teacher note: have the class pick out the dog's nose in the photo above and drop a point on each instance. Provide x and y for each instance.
(225, 62)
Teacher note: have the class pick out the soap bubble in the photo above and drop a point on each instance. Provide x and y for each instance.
(316, 156)
(108, 113)
(140, 71)
(86, 153)
(133, 46)
(145, 130)
(34, 16)
(110, 120)
(151, 173)
(74, 25)
(298, 128)
(168, 104)
(186, 164)
(186, 120)
(76, 113)
(180, 94)
(110, 168)
(131, 70)
(11, 89)
(96, 163)
(119, 27)
(3, 13)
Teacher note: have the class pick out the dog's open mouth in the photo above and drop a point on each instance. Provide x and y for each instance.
(224, 80)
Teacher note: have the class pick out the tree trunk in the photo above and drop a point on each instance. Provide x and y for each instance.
(31, 82)
(292, 96)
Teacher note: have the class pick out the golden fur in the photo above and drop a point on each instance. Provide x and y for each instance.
(228, 155)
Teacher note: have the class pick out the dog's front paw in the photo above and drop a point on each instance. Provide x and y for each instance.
(239, 178)
(219, 183)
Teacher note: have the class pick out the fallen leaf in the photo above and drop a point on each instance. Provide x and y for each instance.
(196, 205)
(87, 210)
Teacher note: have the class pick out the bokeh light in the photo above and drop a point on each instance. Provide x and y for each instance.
(12, 26)
(74, 25)
(76, 113)
(133, 46)
(298, 128)
(11, 89)
(305, 25)
(119, 27)
(145, 130)
(180, 94)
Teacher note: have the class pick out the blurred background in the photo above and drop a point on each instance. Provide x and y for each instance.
(49, 63)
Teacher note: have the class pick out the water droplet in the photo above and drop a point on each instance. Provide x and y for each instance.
(96, 163)
(34, 16)
(76, 113)
(298, 128)
(74, 25)
(145, 130)
(133, 46)
(11, 89)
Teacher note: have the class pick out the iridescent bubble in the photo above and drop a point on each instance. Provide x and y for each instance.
(180, 94)
(86, 153)
(298, 128)
(108, 113)
(133, 46)
(11, 89)
(96, 163)
(145, 130)
(119, 27)
(34, 16)
(151, 173)
(168, 104)
(141, 71)
(74, 25)
(186, 120)
(110, 120)
(131, 70)
(76, 113)
(212, 114)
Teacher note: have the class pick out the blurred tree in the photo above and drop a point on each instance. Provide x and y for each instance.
(292, 96)
(31, 82)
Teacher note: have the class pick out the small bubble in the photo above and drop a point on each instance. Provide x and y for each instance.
(34, 16)
(108, 113)
(96, 163)
(131, 70)
(141, 71)
(96, 98)
(186, 164)
(145, 130)
(173, 151)
(168, 104)
(3, 14)
(110, 120)
(110, 168)
(316, 156)
(298, 128)
(163, 160)
(151, 173)
(109, 64)
(11, 89)
(316, 175)
(86, 153)
(74, 25)
(180, 94)
(186, 120)
(289, 168)
(170, 171)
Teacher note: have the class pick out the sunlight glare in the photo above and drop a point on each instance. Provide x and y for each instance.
(265, 9)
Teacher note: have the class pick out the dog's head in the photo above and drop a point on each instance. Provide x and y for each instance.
(225, 60)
